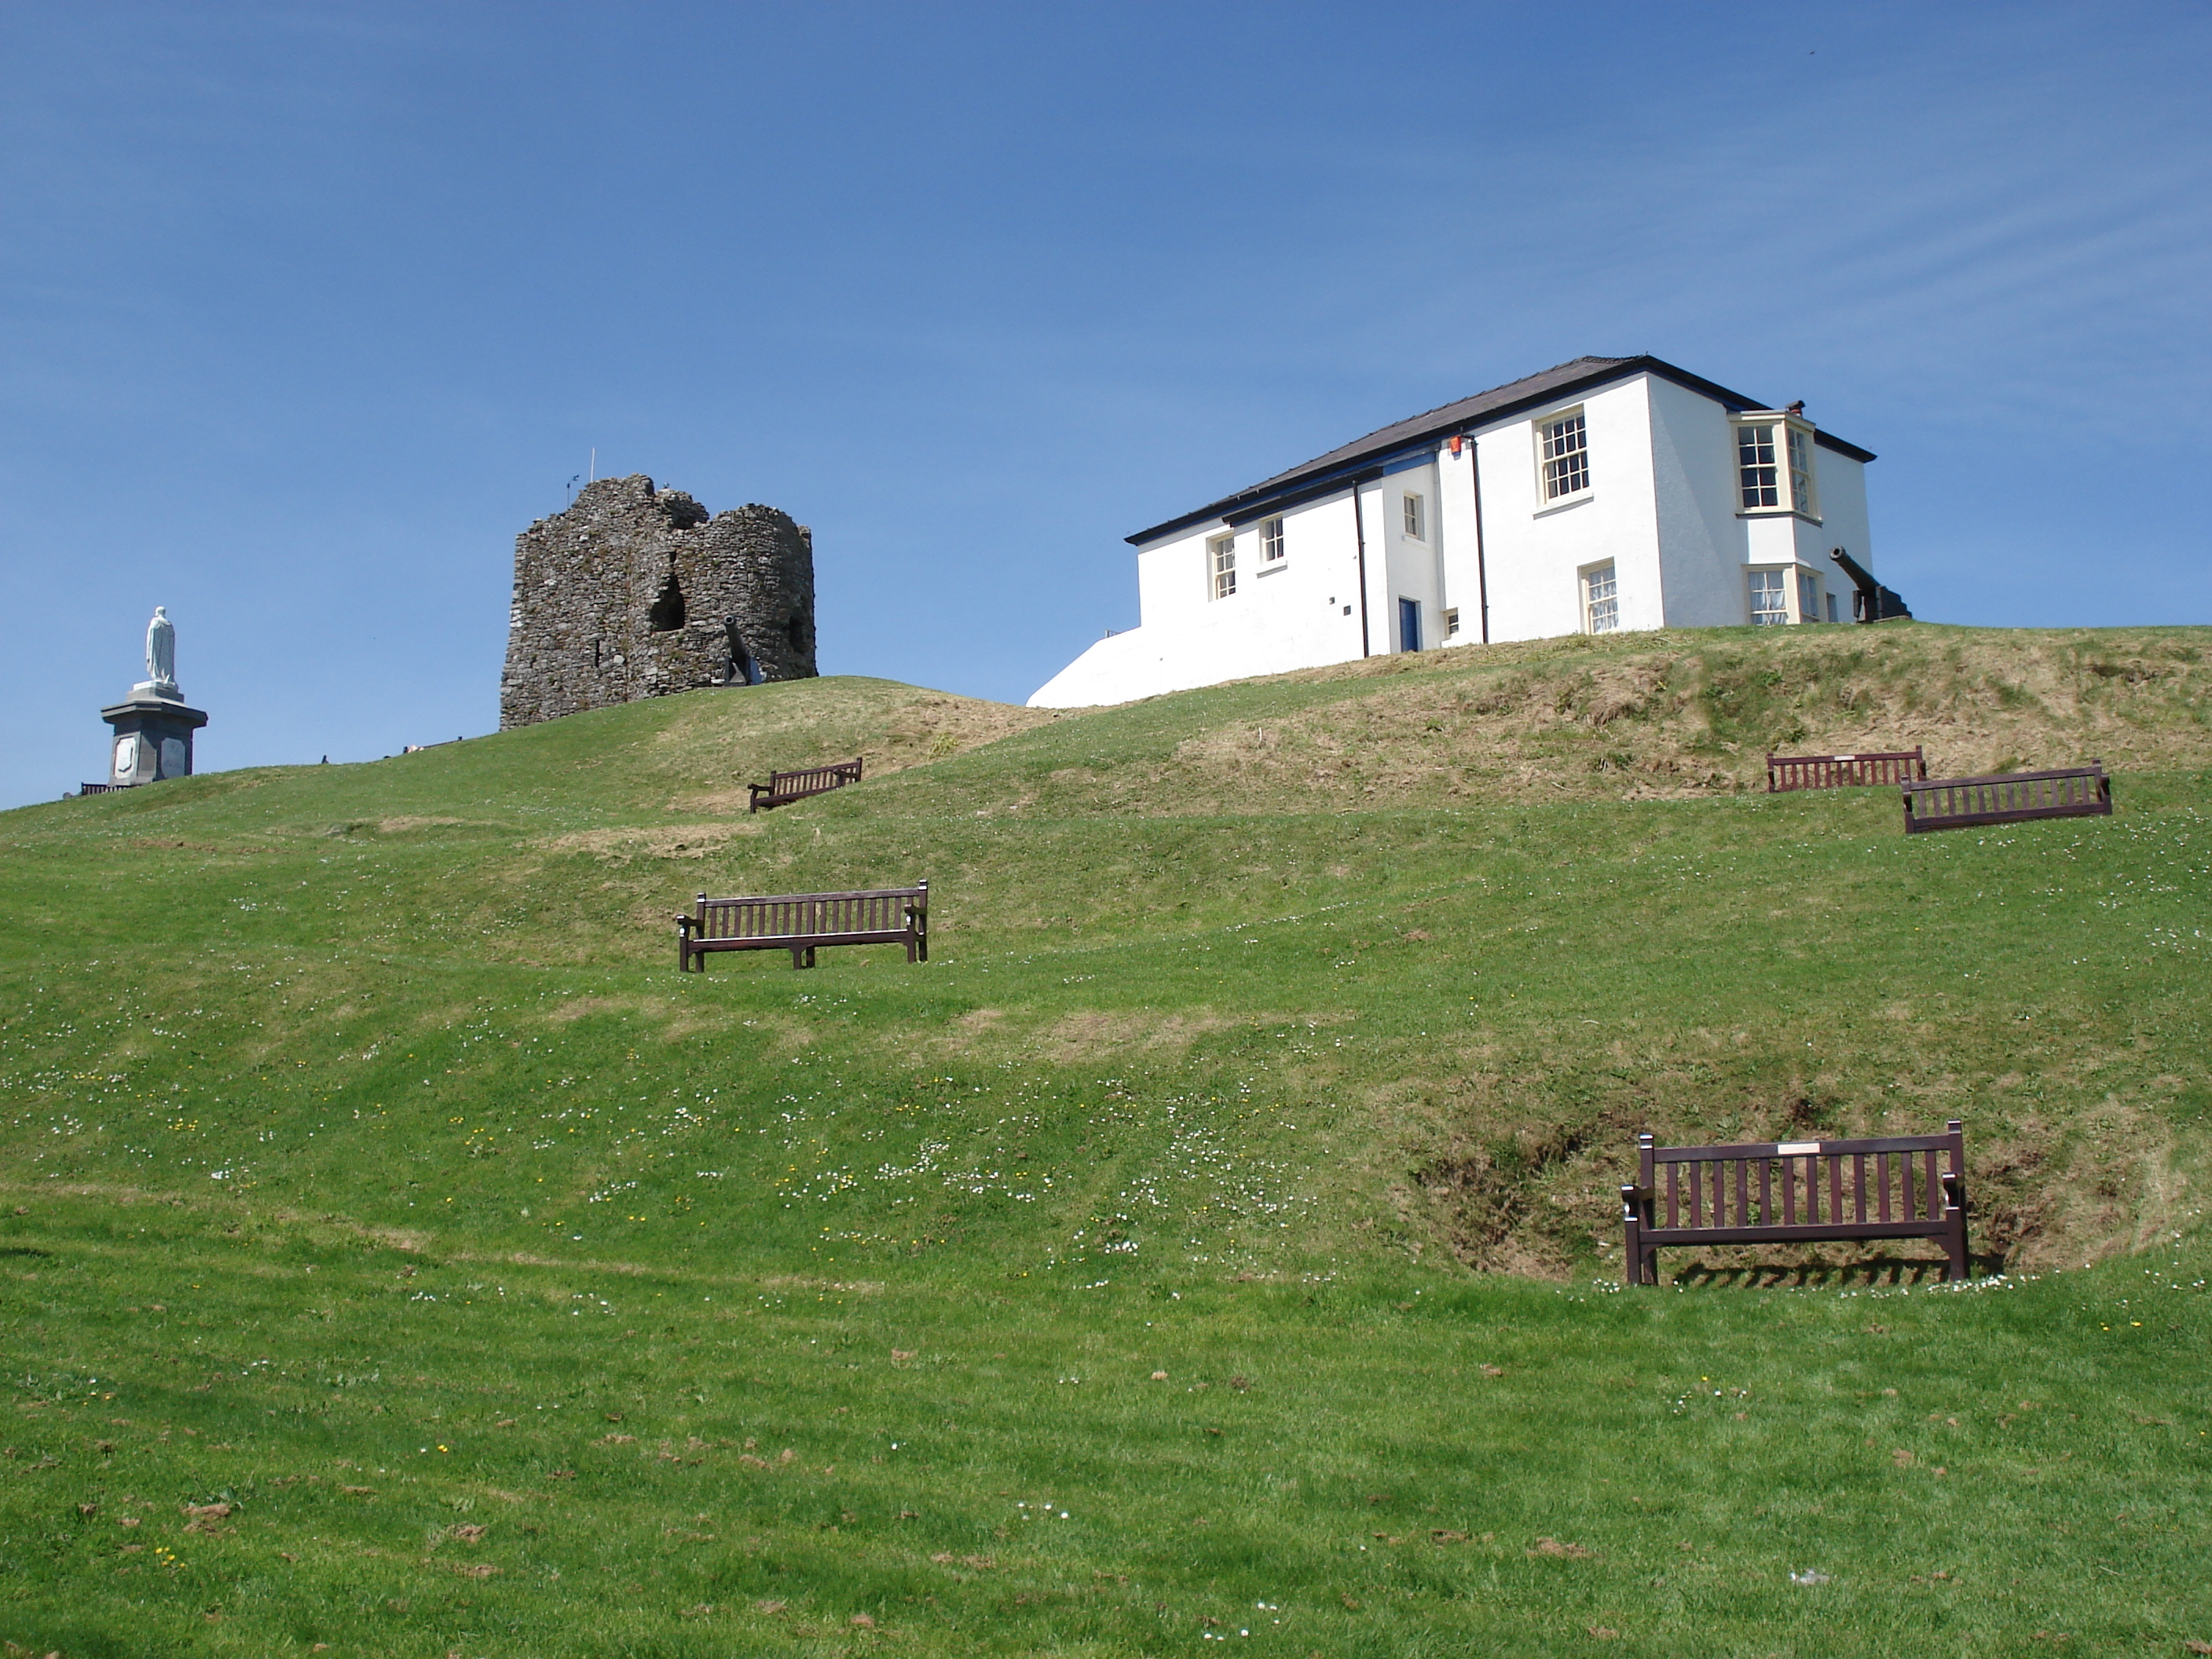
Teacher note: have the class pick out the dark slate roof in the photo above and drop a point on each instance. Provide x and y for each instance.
(1327, 474)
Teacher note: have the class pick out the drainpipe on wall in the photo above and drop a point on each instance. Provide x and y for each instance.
(1481, 563)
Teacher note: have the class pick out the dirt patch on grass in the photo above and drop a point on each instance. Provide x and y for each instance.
(679, 841)
(1087, 1036)
(1094, 1035)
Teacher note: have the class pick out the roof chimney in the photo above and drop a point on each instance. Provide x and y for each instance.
(1797, 407)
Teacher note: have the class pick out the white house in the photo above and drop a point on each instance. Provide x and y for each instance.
(1608, 493)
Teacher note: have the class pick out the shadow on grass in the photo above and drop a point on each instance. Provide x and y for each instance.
(1879, 1272)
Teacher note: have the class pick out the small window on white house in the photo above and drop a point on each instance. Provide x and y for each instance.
(1770, 605)
(1758, 482)
(1801, 496)
(1416, 517)
(1564, 444)
(1451, 621)
(1831, 607)
(1271, 540)
(1808, 598)
(1600, 600)
(1224, 551)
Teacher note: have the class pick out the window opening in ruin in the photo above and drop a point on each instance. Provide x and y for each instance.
(666, 615)
(796, 632)
(743, 669)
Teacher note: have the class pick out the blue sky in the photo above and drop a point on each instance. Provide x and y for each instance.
(306, 310)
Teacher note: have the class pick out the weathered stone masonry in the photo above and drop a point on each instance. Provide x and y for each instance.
(636, 593)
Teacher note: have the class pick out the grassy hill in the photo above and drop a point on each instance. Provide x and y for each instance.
(1259, 1017)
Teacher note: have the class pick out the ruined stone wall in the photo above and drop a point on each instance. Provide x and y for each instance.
(636, 593)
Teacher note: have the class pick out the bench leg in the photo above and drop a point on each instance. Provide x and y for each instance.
(1632, 1253)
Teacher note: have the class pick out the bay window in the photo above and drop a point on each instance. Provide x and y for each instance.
(1774, 467)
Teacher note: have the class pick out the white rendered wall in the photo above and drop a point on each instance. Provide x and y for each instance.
(1842, 490)
(1536, 551)
(1410, 567)
(1456, 543)
(1287, 615)
(1704, 545)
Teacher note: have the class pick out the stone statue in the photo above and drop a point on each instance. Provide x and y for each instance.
(162, 651)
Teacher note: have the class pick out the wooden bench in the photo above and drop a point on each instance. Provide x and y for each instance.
(1796, 1191)
(800, 922)
(784, 787)
(2074, 791)
(1786, 772)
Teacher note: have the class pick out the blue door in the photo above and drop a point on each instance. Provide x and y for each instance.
(1409, 624)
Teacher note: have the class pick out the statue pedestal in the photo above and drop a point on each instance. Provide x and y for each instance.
(153, 738)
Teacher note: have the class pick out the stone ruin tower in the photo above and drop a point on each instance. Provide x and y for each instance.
(636, 593)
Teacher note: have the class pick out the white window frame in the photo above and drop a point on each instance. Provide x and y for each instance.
(1809, 596)
(1221, 566)
(1788, 456)
(1450, 620)
(1601, 595)
(1772, 580)
(1271, 540)
(1416, 517)
(1563, 467)
(1804, 474)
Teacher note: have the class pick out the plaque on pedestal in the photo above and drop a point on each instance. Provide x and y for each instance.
(153, 738)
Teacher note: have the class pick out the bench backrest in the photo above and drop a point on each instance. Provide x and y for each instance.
(2007, 797)
(801, 915)
(1785, 772)
(812, 779)
(1801, 1183)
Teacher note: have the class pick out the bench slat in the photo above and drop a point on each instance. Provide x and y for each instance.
(1773, 1148)
(1803, 1231)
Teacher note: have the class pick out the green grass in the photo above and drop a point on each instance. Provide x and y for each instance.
(352, 1113)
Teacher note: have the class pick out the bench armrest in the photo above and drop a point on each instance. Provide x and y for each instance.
(1634, 1201)
(1955, 1191)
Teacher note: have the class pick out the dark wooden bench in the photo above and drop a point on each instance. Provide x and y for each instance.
(1796, 1191)
(784, 787)
(1786, 772)
(2074, 791)
(800, 922)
